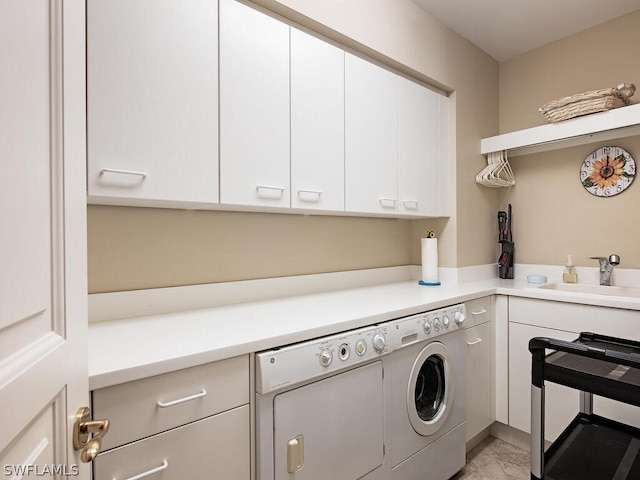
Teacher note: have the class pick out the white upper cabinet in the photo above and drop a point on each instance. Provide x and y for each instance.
(248, 112)
(419, 149)
(317, 123)
(254, 107)
(152, 75)
(371, 138)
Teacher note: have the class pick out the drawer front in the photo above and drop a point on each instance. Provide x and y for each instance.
(478, 311)
(145, 407)
(216, 447)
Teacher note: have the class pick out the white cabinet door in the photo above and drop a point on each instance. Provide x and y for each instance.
(152, 100)
(317, 123)
(371, 138)
(419, 150)
(562, 403)
(217, 447)
(254, 107)
(479, 383)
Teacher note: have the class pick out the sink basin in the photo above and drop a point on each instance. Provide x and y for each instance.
(593, 289)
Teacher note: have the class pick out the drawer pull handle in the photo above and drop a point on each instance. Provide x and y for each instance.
(270, 192)
(479, 312)
(475, 342)
(387, 202)
(309, 195)
(410, 204)
(164, 465)
(160, 404)
(124, 172)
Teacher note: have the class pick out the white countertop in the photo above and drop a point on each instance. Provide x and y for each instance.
(149, 345)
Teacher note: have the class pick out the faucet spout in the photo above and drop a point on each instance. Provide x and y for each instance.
(606, 267)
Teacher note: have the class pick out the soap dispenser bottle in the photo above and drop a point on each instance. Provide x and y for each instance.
(569, 275)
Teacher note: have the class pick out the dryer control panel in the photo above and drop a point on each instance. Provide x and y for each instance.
(425, 326)
(301, 362)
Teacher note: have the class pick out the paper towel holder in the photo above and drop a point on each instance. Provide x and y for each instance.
(429, 246)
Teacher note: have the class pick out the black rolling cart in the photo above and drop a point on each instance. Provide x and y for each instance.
(591, 447)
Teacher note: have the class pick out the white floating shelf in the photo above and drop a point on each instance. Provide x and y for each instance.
(617, 123)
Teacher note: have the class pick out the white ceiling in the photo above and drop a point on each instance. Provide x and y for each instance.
(507, 28)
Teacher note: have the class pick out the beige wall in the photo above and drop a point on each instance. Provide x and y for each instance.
(132, 248)
(554, 216)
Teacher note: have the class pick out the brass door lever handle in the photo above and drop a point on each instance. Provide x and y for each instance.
(82, 429)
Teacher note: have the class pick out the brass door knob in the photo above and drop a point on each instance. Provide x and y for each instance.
(82, 430)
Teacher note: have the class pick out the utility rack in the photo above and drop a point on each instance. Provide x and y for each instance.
(591, 447)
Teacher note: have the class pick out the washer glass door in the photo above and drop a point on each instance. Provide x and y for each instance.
(431, 389)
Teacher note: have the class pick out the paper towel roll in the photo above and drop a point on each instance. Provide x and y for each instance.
(430, 260)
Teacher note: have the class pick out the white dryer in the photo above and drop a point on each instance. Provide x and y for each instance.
(425, 427)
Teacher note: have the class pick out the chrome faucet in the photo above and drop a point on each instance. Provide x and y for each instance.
(606, 267)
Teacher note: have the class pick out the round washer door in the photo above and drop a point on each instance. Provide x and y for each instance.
(431, 389)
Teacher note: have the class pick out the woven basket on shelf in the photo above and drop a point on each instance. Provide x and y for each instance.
(588, 102)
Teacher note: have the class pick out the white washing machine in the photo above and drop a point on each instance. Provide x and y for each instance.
(425, 426)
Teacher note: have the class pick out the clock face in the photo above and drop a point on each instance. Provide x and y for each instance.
(608, 171)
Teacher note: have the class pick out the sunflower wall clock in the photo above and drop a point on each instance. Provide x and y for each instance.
(608, 171)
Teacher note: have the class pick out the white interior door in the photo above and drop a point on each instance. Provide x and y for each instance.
(332, 428)
(43, 358)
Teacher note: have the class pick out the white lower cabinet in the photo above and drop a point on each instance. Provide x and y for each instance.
(191, 423)
(561, 402)
(479, 384)
(216, 447)
(529, 318)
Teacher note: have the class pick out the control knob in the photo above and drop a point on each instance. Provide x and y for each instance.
(326, 357)
(436, 324)
(361, 347)
(445, 321)
(379, 342)
(459, 318)
(427, 326)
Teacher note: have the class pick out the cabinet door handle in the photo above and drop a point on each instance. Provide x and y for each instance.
(124, 172)
(295, 454)
(475, 342)
(316, 195)
(261, 190)
(410, 204)
(479, 312)
(160, 404)
(164, 465)
(387, 202)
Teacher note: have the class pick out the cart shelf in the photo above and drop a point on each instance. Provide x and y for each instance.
(591, 446)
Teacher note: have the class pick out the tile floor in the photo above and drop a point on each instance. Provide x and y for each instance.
(494, 459)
